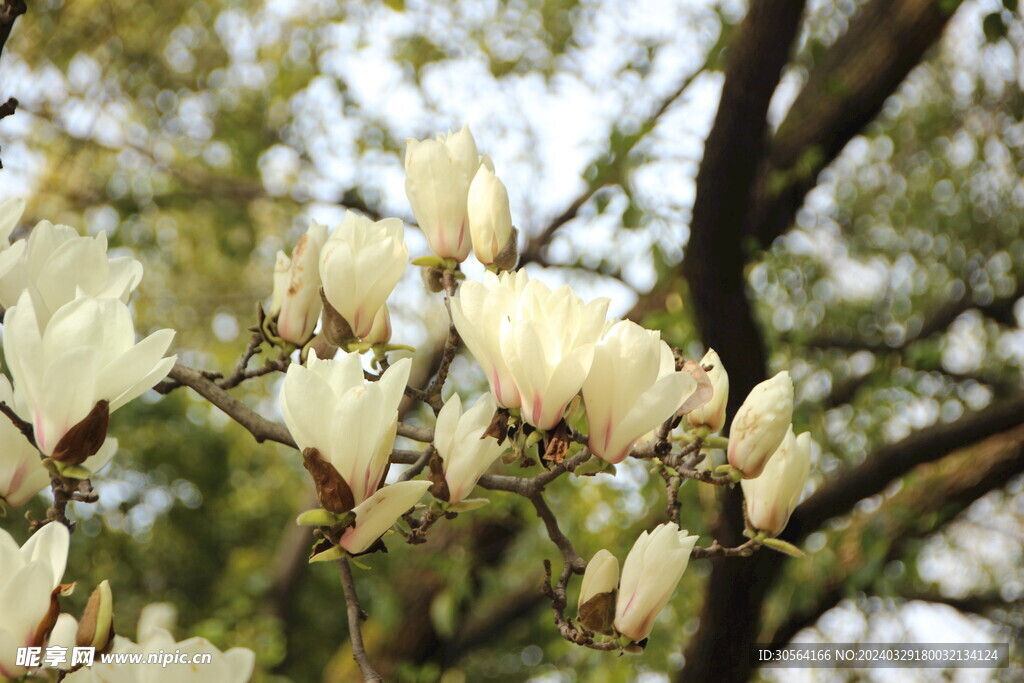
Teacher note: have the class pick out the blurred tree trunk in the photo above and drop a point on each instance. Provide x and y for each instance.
(749, 187)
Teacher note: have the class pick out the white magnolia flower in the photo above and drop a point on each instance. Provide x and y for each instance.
(380, 331)
(633, 387)
(57, 265)
(328, 406)
(86, 354)
(376, 514)
(232, 666)
(296, 300)
(28, 577)
(437, 178)
(156, 615)
(478, 310)
(489, 215)
(22, 474)
(650, 574)
(548, 342)
(459, 440)
(10, 215)
(602, 576)
(712, 413)
(760, 424)
(360, 264)
(771, 498)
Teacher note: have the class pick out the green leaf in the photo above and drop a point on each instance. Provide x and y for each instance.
(429, 261)
(783, 547)
(317, 517)
(335, 552)
(468, 504)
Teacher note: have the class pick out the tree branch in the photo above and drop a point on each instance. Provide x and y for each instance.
(355, 616)
(9, 11)
(891, 462)
(714, 267)
(533, 251)
(844, 92)
(938, 495)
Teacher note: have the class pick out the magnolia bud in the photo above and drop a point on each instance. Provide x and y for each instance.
(360, 264)
(438, 174)
(650, 574)
(597, 592)
(296, 300)
(712, 413)
(96, 629)
(760, 424)
(490, 219)
(30, 582)
(771, 498)
(325, 403)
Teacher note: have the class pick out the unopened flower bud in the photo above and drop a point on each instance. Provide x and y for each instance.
(490, 219)
(771, 498)
(96, 628)
(761, 424)
(296, 300)
(376, 514)
(360, 264)
(712, 413)
(438, 174)
(597, 592)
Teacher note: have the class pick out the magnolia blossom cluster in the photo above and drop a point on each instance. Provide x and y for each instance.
(650, 574)
(772, 462)
(30, 586)
(552, 361)
(69, 344)
(459, 204)
(540, 348)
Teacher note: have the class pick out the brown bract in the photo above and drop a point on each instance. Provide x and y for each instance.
(332, 491)
(598, 613)
(85, 438)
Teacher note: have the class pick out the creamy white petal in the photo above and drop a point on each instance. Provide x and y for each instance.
(375, 515)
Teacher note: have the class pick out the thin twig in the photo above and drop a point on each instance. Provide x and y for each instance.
(260, 427)
(355, 616)
(417, 466)
(573, 561)
(715, 550)
(535, 246)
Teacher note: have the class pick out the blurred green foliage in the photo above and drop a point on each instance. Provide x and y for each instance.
(160, 122)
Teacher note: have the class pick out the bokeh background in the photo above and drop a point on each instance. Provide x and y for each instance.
(865, 223)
